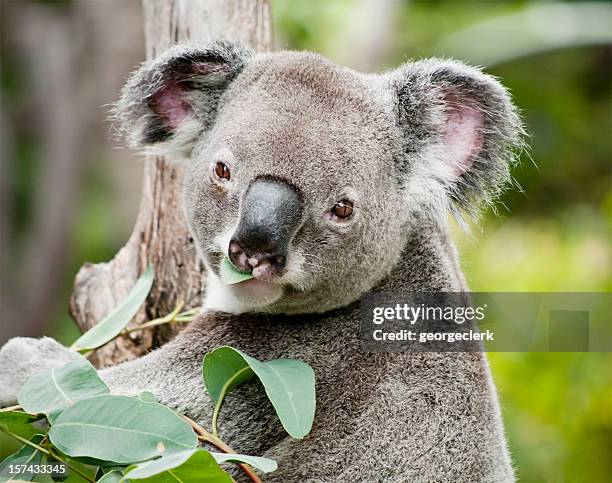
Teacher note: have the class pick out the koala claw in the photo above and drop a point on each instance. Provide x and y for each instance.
(21, 357)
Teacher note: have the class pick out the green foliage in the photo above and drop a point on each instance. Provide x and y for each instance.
(289, 385)
(230, 275)
(265, 465)
(10, 418)
(193, 465)
(111, 477)
(97, 434)
(28, 455)
(120, 429)
(557, 414)
(90, 428)
(567, 253)
(116, 321)
(52, 391)
(223, 369)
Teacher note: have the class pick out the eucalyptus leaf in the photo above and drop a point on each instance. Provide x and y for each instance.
(231, 275)
(265, 465)
(25, 456)
(196, 465)
(289, 384)
(73, 468)
(223, 369)
(121, 429)
(17, 418)
(119, 318)
(111, 477)
(101, 464)
(53, 390)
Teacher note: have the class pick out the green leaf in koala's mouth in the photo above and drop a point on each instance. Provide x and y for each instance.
(230, 274)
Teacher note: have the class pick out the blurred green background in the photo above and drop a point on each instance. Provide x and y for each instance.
(554, 235)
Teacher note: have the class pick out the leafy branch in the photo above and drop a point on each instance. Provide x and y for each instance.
(205, 437)
(48, 451)
(89, 425)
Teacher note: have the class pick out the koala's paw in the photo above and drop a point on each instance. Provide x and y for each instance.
(21, 357)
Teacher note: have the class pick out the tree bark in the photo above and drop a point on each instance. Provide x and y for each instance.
(160, 236)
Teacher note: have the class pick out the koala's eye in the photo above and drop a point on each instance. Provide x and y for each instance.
(343, 209)
(222, 171)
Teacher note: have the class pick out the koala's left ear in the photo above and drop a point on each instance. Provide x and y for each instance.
(170, 101)
(460, 134)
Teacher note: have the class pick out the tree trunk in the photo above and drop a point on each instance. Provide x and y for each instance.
(161, 236)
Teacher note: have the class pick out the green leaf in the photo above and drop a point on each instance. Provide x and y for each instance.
(111, 477)
(25, 456)
(223, 369)
(196, 465)
(104, 465)
(122, 429)
(17, 417)
(53, 390)
(117, 320)
(231, 275)
(289, 384)
(76, 467)
(265, 465)
(72, 471)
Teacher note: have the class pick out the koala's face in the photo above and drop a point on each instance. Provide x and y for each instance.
(293, 184)
(308, 175)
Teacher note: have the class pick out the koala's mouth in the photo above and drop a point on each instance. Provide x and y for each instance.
(257, 292)
(249, 295)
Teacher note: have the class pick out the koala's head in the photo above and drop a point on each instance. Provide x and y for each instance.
(309, 175)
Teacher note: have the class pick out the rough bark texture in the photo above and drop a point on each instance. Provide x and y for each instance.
(160, 236)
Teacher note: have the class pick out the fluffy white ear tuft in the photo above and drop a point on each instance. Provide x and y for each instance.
(170, 101)
(460, 136)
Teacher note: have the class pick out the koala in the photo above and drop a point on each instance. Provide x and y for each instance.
(325, 184)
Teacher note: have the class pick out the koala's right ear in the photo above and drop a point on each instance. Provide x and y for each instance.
(170, 101)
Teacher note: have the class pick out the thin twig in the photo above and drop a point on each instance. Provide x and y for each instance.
(48, 452)
(206, 437)
(24, 440)
(167, 319)
(194, 311)
(17, 407)
(77, 471)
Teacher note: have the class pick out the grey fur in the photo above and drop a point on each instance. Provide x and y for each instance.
(334, 133)
(21, 357)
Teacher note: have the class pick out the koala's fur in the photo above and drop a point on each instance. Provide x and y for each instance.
(406, 147)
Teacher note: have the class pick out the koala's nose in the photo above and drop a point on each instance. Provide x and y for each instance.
(270, 215)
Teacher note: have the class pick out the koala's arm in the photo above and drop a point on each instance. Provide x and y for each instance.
(172, 372)
(21, 357)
